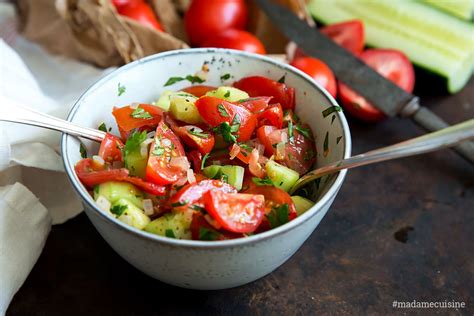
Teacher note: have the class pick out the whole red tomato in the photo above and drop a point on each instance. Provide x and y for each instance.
(206, 18)
(236, 39)
(319, 71)
(140, 12)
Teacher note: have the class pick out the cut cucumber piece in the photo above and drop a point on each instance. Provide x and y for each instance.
(233, 175)
(183, 109)
(230, 94)
(463, 9)
(114, 191)
(164, 101)
(281, 176)
(212, 172)
(136, 163)
(173, 225)
(432, 40)
(128, 213)
(301, 204)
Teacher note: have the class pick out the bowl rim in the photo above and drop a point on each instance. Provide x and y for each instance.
(313, 211)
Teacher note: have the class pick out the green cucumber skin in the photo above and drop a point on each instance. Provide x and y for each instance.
(282, 177)
(114, 191)
(430, 45)
(132, 215)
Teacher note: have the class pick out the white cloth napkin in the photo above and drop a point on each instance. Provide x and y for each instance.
(34, 191)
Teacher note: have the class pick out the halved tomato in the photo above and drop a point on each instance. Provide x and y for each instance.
(192, 135)
(198, 90)
(165, 147)
(111, 148)
(275, 198)
(390, 63)
(215, 111)
(202, 230)
(90, 176)
(257, 86)
(129, 118)
(236, 212)
(349, 34)
(255, 104)
(192, 194)
(273, 116)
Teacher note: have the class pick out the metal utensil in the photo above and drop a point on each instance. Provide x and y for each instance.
(382, 93)
(446, 137)
(17, 113)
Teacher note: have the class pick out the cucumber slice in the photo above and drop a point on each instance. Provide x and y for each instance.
(183, 109)
(463, 9)
(432, 40)
(281, 176)
(136, 163)
(114, 191)
(301, 204)
(230, 94)
(174, 225)
(128, 213)
(164, 101)
(233, 175)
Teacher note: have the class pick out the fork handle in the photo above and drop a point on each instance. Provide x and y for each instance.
(11, 111)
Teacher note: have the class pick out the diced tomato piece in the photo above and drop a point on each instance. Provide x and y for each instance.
(129, 118)
(202, 230)
(273, 115)
(192, 135)
(215, 111)
(262, 134)
(198, 90)
(255, 104)
(257, 86)
(349, 34)
(111, 148)
(236, 212)
(165, 147)
(192, 194)
(195, 158)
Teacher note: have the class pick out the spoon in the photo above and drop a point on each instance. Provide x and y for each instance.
(440, 139)
(446, 137)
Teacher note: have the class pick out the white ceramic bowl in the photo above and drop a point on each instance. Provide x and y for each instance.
(201, 264)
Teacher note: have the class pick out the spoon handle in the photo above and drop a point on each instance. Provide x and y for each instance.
(11, 111)
(446, 137)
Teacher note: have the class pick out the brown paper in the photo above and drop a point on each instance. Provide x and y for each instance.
(93, 31)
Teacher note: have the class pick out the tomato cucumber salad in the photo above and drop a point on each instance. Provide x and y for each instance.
(204, 163)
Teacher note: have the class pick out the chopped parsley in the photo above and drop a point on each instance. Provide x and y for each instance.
(249, 99)
(198, 134)
(121, 89)
(140, 113)
(169, 233)
(338, 139)
(192, 79)
(118, 209)
(207, 234)
(134, 141)
(291, 137)
(279, 215)
(224, 178)
(245, 146)
(158, 150)
(333, 118)
(102, 127)
(227, 94)
(225, 77)
(282, 79)
(203, 161)
(222, 111)
(305, 131)
(330, 110)
(83, 151)
(264, 181)
(179, 203)
(235, 125)
(326, 144)
(198, 208)
(226, 131)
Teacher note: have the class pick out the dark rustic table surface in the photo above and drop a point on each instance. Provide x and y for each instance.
(398, 231)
